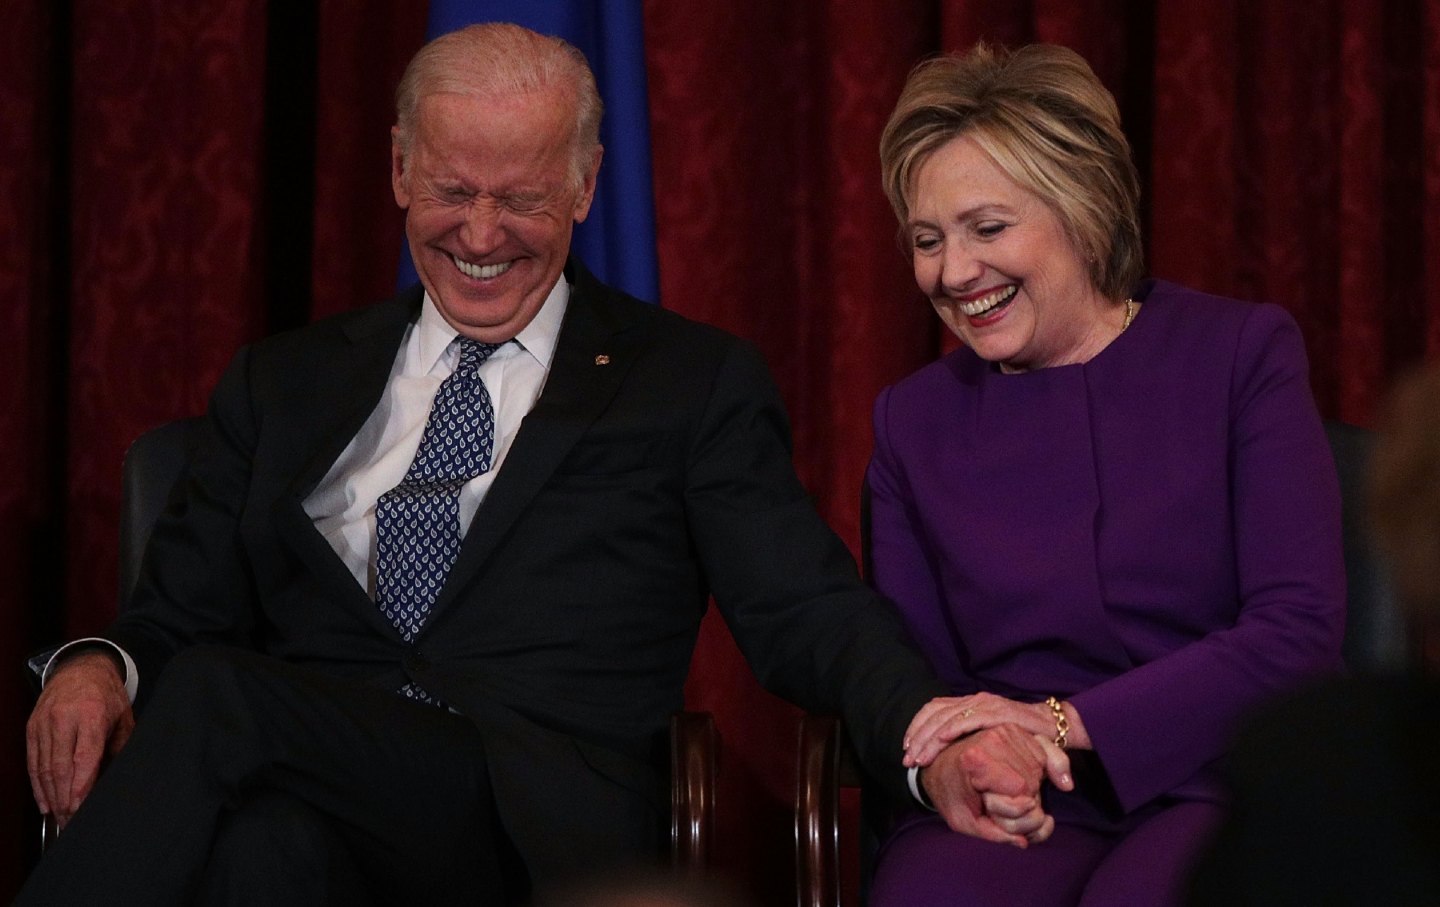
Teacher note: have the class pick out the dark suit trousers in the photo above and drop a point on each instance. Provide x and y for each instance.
(322, 787)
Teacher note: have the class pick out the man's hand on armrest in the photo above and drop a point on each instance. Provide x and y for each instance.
(82, 714)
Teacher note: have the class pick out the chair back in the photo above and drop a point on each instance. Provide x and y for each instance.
(1376, 638)
(152, 467)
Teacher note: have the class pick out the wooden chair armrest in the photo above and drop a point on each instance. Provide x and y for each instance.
(817, 812)
(694, 763)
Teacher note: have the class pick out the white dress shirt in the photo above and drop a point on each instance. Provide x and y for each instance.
(342, 506)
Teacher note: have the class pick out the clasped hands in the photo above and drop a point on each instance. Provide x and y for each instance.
(983, 759)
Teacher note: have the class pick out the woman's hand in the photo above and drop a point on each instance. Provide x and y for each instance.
(944, 720)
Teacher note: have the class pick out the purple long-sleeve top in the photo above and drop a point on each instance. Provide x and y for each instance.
(1153, 535)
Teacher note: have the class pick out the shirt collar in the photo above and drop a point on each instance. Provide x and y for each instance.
(538, 338)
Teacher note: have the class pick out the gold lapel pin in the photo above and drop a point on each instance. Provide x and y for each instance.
(602, 359)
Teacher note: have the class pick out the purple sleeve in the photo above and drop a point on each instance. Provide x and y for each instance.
(1155, 726)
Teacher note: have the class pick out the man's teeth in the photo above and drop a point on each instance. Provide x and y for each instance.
(481, 272)
(986, 303)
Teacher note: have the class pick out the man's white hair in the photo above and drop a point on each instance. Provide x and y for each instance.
(498, 58)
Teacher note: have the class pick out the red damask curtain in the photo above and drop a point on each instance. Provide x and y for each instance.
(181, 178)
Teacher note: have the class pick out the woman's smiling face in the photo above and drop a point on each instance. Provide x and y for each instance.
(997, 265)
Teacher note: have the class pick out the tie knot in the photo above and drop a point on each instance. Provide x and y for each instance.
(473, 354)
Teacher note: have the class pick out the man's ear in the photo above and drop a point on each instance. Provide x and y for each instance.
(399, 179)
(587, 186)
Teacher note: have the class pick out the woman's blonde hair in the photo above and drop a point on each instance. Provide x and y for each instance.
(1048, 123)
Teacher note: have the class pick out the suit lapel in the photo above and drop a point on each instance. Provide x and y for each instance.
(596, 347)
(337, 407)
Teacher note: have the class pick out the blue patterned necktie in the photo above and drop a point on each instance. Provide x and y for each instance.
(417, 523)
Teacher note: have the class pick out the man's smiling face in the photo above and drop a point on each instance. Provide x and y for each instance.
(491, 196)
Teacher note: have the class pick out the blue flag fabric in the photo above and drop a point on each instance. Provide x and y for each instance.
(617, 240)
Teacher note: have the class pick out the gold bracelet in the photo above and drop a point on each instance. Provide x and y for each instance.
(1062, 724)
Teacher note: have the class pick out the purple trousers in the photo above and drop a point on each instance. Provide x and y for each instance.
(1143, 859)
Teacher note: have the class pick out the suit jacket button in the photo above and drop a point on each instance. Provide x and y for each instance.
(414, 661)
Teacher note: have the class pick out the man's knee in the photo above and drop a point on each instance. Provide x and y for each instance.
(276, 825)
(275, 848)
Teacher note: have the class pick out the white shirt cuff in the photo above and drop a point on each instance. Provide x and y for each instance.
(132, 674)
(912, 777)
